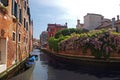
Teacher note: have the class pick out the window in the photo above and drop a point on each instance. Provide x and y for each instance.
(20, 15)
(14, 8)
(19, 37)
(28, 10)
(25, 4)
(13, 35)
(4, 2)
(27, 26)
(24, 23)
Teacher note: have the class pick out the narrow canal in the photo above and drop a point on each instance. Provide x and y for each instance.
(45, 71)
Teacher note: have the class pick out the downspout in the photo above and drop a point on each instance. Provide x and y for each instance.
(17, 41)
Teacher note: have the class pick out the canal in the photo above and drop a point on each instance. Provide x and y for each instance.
(43, 70)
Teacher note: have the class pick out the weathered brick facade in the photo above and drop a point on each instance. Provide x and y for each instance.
(16, 31)
(53, 28)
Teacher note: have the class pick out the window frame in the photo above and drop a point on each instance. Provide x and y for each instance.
(14, 8)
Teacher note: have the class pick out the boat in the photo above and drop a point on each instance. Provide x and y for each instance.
(30, 61)
(26, 75)
(35, 55)
(29, 67)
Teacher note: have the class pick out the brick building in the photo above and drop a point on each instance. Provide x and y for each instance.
(53, 28)
(16, 30)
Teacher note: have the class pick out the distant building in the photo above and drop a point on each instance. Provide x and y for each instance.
(53, 28)
(111, 24)
(36, 43)
(105, 24)
(92, 21)
(79, 25)
(44, 39)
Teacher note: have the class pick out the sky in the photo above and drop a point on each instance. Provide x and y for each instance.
(44, 12)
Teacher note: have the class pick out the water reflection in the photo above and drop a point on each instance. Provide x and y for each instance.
(44, 70)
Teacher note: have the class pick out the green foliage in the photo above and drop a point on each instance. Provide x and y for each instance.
(100, 42)
(96, 53)
(67, 32)
(53, 43)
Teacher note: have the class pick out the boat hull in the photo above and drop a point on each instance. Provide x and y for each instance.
(26, 75)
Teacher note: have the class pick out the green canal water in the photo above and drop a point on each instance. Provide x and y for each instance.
(43, 70)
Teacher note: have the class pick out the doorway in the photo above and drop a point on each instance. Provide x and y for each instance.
(3, 54)
(3, 51)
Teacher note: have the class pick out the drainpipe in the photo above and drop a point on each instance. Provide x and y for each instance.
(17, 41)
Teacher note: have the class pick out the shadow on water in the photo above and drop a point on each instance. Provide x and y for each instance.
(44, 58)
(99, 72)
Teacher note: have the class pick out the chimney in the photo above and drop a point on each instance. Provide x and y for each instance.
(113, 22)
(66, 24)
(117, 17)
(78, 22)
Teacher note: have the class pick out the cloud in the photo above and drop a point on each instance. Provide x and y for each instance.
(49, 3)
(72, 9)
(79, 8)
(60, 11)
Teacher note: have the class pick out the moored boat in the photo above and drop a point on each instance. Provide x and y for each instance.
(30, 61)
(26, 75)
(29, 67)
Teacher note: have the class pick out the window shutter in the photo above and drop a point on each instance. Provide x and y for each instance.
(24, 22)
(13, 1)
(16, 10)
(20, 15)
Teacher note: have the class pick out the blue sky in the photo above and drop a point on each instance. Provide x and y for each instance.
(62, 11)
